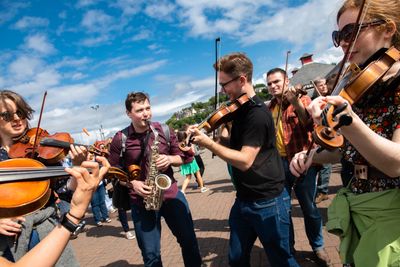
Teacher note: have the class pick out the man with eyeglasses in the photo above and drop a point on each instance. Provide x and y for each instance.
(262, 205)
(293, 134)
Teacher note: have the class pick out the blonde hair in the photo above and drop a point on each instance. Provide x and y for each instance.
(387, 10)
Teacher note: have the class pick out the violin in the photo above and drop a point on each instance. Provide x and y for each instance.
(51, 148)
(117, 173)
(220, 116)
(354, 84)
(25, 186)
(298, 92)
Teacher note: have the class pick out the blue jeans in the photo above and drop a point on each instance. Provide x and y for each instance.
(98, 203)
(34, 239)
(323, 178)
(123, 218)
(268, 220)
(305, 191)
(179, 220)
(63, 206)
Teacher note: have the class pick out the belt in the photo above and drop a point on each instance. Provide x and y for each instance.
(367, 172)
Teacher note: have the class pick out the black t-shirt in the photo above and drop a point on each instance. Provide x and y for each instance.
(253, 126)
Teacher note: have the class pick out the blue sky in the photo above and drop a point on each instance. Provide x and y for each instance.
(89, 52)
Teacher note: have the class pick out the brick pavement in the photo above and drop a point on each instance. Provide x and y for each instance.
(107, 246)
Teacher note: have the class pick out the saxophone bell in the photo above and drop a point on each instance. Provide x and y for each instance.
(163, 182)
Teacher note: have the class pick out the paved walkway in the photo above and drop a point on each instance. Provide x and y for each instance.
(107, 246)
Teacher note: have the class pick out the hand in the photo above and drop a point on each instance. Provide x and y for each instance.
(87, 183)
(163, 162)
(199, 138)
(78, 154)
(290, 95)
(140, 188)
(316, 107)
(300, 162)
(11, 227)
(339, 101)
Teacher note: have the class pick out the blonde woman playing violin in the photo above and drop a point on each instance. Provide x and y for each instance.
(372, 200)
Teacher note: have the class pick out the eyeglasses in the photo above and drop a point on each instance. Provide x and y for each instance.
(228, 82)
(347, 32)
(9, 116)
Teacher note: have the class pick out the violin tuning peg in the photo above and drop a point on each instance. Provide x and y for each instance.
(344, 120)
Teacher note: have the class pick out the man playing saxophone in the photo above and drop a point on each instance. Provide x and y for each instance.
(145, 144)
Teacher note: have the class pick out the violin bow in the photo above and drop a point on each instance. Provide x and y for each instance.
(283, 91)
(35, 143)
(345, 59)
(354, 37)
(315, 87)
(217, 41)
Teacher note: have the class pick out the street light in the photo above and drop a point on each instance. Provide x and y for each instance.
(95, 108)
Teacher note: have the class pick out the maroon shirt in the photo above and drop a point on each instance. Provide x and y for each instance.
(133, 151)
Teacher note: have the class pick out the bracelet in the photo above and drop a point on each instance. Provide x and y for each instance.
(77, 218)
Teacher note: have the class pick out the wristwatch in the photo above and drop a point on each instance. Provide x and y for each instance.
(74, 228)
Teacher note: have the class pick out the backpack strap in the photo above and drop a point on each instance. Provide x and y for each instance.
(124, 136)
(166, 130)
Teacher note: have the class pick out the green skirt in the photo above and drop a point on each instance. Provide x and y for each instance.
(189, 168)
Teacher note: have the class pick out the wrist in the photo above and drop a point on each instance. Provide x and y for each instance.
(73, 218)
(75, 213)
(210, 144)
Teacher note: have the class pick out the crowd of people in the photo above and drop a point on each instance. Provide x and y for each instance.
(274, 151)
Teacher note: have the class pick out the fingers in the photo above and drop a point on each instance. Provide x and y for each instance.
(10, 227)
(77, 154)
(301, 162)
(105, 165)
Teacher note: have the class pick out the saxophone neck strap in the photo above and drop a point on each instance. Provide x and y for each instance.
(143, 145)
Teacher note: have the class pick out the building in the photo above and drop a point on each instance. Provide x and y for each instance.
(308, 71)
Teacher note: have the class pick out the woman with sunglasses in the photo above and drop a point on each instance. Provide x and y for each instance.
(18, 235)
(366, 214)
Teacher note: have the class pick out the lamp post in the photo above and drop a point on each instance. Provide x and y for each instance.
(95, 108)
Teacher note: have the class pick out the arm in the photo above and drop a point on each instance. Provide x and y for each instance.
(47, 252)
(382, 153)
(299, 105)
(300, 162)
(242, 159)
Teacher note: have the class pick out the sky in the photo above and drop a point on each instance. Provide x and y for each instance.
(88, 55)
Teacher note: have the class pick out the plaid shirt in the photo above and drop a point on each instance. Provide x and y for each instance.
(296, 136)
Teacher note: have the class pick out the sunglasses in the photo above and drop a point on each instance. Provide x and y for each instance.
(346, 33)
(9, 116)
(228, 82)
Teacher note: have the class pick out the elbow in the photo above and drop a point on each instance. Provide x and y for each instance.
(394, 173)
(244, 166)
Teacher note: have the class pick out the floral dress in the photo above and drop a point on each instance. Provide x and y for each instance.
(379, 109)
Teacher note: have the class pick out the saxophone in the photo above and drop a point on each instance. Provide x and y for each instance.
(156, 180)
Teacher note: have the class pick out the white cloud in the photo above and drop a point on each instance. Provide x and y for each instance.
(31, 22)
(96, 41)
(160, 10)
(9, 9)
(37, 84)
(24, 67)
(85, 3)
(208, 17)
(128, 7)
(331, 55)
(39, 43)
(96, 21)
(143, 34)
